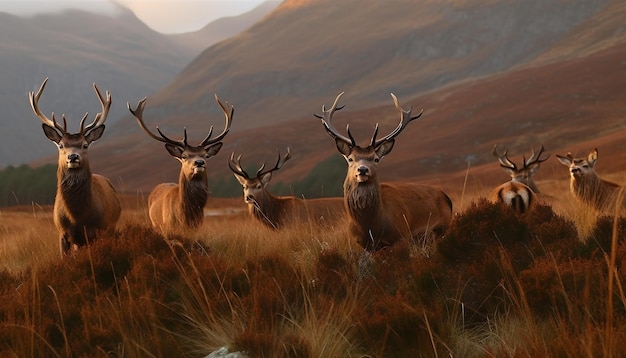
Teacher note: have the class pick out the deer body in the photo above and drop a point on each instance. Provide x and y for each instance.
(85, 203)
(520, 193)
(381, 214)
(277, 212)
(588, 187)
(174, 208)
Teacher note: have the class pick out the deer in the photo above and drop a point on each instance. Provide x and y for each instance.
(277, 212)
(585, 184)
(85, 204)
(520, 193)
(174, 207)
(380, 214)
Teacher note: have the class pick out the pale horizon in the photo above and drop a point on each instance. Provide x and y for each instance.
(164, 16)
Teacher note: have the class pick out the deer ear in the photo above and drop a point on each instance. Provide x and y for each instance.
(213, 149)
(564, 160)
(343, 147)
(592, 157)
(265, 178)
(175, 151)
(51, 133)
(385, 147)
(95, 134)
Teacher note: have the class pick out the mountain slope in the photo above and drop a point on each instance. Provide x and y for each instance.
(569, 105)
(75, 49)
(222, 28)
(307, 51)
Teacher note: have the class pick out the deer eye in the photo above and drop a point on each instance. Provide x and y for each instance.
(85, 146)
(376, 160)
(60, 145)
(350, 160)
(258, 186)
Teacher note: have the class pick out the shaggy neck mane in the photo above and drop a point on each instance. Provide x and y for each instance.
(74, 187)
(193, 197)
(267, 210)
(363, 201)
(595, 192)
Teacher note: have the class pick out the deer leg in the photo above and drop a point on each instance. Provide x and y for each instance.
(64, 244)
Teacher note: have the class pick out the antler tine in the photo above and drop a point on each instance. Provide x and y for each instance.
(504, 160)
(535, 157)
(229, 111)
(327, 116)
(100, 117)
(235, 166)
(138, 114)
(405, 118)
(279, 163)
(34, 104)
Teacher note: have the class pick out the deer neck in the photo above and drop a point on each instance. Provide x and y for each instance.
(591, 189)
(194, 194)
(363, 200)
(74, 188)
(267, 209)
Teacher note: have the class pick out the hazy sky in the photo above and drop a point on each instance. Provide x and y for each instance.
(167, 16)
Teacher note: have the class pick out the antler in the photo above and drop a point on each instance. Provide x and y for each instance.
(405, 118)
(534, 158)
(327, 115)
(34, 104)
(138, 114)
(279, 163)
(504, 159)
(228, 110)
(101, 117)
(235, 166)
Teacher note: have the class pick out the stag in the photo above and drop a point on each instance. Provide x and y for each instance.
(588, 187)
(85, 203)
(279, 211)
(520, 192)
(380, 214)
(174, 207)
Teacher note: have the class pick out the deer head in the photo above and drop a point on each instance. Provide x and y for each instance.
(363, 161)
(72, 146)
(254, 187)
(580, 167)
(529, 167)
(192, 158)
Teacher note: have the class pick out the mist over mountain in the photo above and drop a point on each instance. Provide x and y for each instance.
(101, 42)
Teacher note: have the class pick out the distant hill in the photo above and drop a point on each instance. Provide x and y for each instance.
(518, 72)
(75, 49)
(223, 28)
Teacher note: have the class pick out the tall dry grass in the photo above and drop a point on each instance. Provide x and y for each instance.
(498, 285)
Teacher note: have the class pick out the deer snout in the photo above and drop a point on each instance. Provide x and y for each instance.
(73, 160)
(199, 166)
(249, 198)
(362, 173)
(575, 171)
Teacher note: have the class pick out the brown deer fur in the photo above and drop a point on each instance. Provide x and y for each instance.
(85, 203)
(588, 187)
(520, 193)
(280, 211)
(381, 214)
(174, 208)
